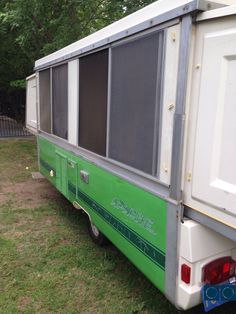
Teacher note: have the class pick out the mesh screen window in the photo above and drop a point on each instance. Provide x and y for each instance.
(60, 100)
(93, 80)
(44, 99)
(135, 102)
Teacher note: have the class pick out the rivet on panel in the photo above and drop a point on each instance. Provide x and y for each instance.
(189, 176)
(173, 36)
(186, 8)
(51, 173)
(165, 167)
(198, 66)
(171, 106)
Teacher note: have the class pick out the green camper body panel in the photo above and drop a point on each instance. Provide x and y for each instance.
(134, 220)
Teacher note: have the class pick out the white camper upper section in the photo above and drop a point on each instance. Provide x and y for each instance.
(153, 14)
(225, 11)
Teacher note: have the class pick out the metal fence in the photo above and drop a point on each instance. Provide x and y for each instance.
(9, 127)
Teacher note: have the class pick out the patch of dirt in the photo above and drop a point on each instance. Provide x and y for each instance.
(13, 234)
(3, 197)
(29, 194)
(64, 242)
(20, 248)
(49, 221)
(23, 302)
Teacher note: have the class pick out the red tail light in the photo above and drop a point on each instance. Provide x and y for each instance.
(219, 270)
(185, 273)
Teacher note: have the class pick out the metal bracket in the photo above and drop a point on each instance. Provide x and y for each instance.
(84, 176)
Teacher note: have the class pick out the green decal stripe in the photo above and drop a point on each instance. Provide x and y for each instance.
(153, 253)
(45, 165)
(72, 188)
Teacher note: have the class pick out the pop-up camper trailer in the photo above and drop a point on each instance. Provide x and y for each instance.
(136, 126)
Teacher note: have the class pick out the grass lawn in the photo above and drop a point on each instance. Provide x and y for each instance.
(48, 264)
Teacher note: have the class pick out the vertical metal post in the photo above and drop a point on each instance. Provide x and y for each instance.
(179, 118)
(108, 100)
(78, 93)
(51, 100)
(174, 209)
(37, 101)
(159, 101)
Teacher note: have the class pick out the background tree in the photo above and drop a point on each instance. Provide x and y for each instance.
(32, 29)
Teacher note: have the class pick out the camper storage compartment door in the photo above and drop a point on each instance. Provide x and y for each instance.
(214, 163)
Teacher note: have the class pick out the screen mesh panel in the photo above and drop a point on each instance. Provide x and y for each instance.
(60, 100)
(44, 100)
(93, 80)
(135, 102)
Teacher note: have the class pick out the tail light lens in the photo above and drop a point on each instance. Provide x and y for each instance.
(219, 270)
(185, 273)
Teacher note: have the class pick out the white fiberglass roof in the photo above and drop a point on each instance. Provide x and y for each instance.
(156, 12)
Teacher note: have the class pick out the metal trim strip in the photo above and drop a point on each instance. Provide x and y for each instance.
(190, 7)
(148, 183)
(174, 212)
(211, 223)
(179, 117)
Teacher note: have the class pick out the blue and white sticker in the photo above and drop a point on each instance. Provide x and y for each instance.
(216, 295)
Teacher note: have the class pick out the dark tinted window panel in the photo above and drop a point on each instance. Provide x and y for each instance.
(136, 74)
(60, 100)
(44, 99)
(93, 78)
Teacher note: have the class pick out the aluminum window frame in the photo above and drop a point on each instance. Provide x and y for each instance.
(91, 155)
(50, 68)
(163, 27)
(107, 49)
(67, 99)
(39, 99)
(158, 92)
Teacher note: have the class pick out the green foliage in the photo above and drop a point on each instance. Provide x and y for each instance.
(18, 84)
(32, 29)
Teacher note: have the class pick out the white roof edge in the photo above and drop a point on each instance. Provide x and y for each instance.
(221, 12)
(152, 11)
(30, 77)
